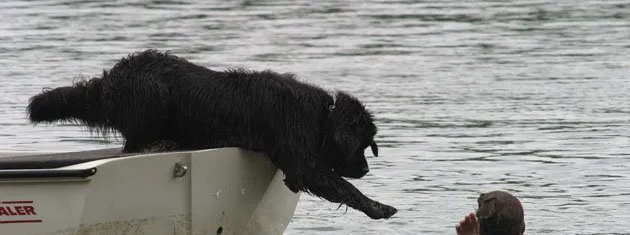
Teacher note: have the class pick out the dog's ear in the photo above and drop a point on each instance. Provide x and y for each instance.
(347, 143)
(355, 124)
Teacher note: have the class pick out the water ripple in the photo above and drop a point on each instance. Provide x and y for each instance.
(469, 96)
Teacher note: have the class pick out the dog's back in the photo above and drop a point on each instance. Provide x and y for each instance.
(226, 107)
(155, 95)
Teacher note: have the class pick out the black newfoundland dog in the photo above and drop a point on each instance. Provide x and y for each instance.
(160, 102)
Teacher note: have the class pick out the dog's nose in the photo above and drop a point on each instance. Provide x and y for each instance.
(365, 170)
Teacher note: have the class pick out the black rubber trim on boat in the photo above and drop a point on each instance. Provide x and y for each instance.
(46, 173)
(58, 160)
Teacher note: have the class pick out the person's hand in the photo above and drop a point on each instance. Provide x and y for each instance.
(468, 226)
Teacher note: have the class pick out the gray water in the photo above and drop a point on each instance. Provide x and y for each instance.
(470, 96)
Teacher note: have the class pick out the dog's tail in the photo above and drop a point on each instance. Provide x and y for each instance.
(80, 102)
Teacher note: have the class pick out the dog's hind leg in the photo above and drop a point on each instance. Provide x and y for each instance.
(144, 133)
(161, 146)
(139, 143)
(148, 134)
(326, 184)
(139, 109)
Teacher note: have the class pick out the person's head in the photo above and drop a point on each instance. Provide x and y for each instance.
(500, 213)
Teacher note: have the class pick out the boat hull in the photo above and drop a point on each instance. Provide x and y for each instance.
(214, 191)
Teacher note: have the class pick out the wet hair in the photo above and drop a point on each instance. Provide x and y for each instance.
(500, 213)
(161, 102)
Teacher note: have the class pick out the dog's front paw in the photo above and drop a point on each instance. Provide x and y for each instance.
(378, 210)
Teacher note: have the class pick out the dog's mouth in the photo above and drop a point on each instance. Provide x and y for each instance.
(351, 173)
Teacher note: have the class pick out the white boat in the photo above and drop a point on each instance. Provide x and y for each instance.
(104, 192)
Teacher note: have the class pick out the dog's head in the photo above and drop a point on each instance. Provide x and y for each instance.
(351, 131)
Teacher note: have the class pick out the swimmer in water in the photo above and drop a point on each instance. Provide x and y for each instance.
(499, 213)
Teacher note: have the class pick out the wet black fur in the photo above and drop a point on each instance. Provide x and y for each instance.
(158, 99)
